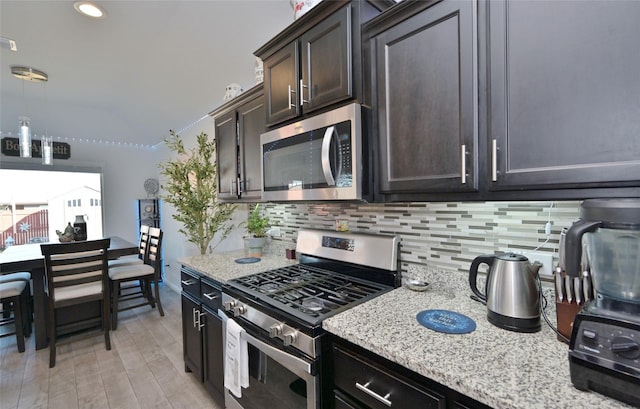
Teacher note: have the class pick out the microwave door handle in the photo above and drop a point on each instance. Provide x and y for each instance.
(326, 163)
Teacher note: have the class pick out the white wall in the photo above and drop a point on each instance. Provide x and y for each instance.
(175, 244)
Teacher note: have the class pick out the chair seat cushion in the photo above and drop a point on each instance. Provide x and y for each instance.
(15, 276)
(77, 291)
(126, 261)
(12, 288)
(130, 272)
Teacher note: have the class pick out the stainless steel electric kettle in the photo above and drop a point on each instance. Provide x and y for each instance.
(511, 291)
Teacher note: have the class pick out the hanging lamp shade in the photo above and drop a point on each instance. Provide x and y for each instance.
(25, 137)
(47, 150)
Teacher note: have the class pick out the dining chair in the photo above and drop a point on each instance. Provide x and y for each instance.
(148, 273)
(76, 274)
(14, 296)
(140, 256)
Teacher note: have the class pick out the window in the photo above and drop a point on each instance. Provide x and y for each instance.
(36, 203)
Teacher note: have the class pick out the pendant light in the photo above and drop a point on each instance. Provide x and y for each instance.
(27, 74)
(25, 137)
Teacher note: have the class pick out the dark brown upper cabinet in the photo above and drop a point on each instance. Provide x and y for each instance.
(563, 96)
(316, 62)
(238, 125)
(424, 76)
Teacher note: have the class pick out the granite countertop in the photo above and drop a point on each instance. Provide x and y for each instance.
(500, 368)
(222, 266)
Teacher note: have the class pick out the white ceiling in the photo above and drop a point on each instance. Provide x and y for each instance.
(148, 67)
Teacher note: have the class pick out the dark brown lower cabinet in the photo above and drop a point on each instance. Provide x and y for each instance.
(191, 336)
(363, 380)
(202, 329)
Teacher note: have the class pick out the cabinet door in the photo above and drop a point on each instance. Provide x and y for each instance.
(281, 74)
(227, 155)
(426, 101)
(213, 355)
(251, 123)
(327, 62)
(191, 336)
(564, 93)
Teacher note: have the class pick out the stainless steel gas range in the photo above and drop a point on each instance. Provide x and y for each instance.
(281, 312)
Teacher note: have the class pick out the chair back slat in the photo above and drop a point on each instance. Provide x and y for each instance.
(155, 248)
(72, 264)
(143, 243)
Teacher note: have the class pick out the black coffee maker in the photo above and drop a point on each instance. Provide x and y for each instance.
(604, 351)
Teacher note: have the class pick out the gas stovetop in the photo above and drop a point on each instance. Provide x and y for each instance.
(308, 292)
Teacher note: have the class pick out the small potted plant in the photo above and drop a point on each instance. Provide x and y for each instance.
(257, 225)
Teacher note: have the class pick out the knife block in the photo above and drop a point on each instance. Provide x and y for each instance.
(565, 313)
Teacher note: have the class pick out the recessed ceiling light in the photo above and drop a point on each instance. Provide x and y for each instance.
(29, 74)
(89, 9)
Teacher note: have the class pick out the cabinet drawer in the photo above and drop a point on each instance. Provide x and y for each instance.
(372, 385)
(210, 293)
(190, 281)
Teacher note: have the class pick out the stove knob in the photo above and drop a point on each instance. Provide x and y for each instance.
(625, 347)
(275, 330)
(239, 310)
(228, 305)
(290, 338)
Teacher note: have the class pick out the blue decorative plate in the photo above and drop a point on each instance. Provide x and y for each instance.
(449, 322)
(247, 260)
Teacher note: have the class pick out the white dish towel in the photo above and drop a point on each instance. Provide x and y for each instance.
(236, 368)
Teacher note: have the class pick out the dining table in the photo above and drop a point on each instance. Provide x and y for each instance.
(29, 258)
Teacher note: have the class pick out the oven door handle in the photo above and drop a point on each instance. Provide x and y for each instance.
(296, 365)
(326, 162)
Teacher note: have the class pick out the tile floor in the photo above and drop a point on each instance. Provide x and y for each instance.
(144, 368)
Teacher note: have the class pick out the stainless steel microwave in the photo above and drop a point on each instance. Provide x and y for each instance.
(318, 158)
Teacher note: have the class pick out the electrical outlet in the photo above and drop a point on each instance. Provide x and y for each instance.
(546, 271)
(274, 231)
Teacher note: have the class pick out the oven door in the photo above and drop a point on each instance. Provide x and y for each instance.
(276, 380)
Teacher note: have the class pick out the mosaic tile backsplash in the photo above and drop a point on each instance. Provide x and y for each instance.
(446, 236)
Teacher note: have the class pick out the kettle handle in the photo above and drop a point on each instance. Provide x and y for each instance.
(573, 243)
(473, 274)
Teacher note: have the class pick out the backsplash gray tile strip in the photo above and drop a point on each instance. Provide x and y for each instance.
(445, 235)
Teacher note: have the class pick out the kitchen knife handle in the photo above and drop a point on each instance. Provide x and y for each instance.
(568, 286)
(586, 286)
(577, 289)
(561, 249)
(559, 287)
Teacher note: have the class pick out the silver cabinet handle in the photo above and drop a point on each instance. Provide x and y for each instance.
(211, 296)
(187, 282)
(365, 388)
(201, 323)
(494, 160)
(239, 186)
(463, 160)
(194, 317)
(291, 91)
(302, 87)
(326, 163)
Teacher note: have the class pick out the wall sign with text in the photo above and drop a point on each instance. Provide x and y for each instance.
(11, 147)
